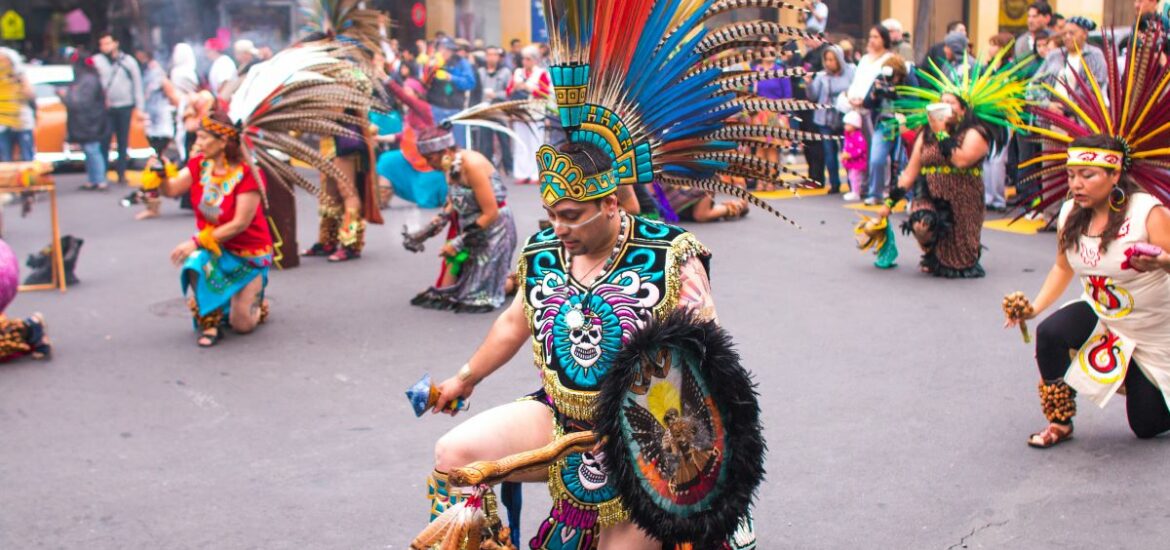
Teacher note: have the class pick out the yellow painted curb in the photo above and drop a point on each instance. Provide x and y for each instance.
(1021, 227)
(900, 207)
(784, 194)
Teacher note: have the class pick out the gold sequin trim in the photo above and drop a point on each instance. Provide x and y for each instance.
(682, 249)
(575, 404)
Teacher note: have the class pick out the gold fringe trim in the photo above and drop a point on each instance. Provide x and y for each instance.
(682, 249)
(575, 404)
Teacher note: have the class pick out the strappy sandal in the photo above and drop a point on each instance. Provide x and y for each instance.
(1050, 436)
(319, 250)
(209, 340)
(344, 254)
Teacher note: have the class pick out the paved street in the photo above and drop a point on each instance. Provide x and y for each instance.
(896, 407)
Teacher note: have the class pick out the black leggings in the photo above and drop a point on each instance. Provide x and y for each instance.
(1068, 329)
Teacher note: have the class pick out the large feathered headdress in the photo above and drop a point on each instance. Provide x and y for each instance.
(346, 21)
(1136, 113)
(293, 92)
(497, 117)
(351, 32)
(993, 92)
(644, 81)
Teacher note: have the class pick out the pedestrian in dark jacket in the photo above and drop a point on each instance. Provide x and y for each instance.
(86, 121)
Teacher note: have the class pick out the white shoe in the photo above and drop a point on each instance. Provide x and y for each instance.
(871, 201)
(851, 196)
(790, 159)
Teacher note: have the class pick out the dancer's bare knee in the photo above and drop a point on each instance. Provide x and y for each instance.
(451, 452)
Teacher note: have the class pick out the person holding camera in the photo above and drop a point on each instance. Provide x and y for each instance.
(886, 150)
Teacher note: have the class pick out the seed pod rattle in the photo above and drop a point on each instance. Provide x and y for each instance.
(1017, 307)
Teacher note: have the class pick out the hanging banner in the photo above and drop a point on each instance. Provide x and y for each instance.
(539, 30)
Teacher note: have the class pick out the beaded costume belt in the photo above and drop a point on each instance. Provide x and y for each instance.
(949, 170)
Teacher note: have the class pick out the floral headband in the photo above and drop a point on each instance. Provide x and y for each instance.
(220, 130)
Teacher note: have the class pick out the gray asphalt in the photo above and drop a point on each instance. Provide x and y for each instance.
(896, 407)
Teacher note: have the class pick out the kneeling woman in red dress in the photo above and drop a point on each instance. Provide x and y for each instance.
(225, 264)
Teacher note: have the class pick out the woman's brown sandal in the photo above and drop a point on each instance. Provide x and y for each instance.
(1058, 400)
(1050, 436)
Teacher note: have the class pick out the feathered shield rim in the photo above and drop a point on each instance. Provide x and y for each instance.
(734, 392)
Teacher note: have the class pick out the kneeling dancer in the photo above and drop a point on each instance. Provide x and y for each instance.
(636, 106)
(1114, 229)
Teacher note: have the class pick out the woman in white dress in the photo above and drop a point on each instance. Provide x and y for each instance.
(1113, 238)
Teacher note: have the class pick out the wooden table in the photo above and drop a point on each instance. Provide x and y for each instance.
(12, 178)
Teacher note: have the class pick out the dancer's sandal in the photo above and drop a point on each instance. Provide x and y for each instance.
(344, 254)
(210, 337)
(1050, 436)
(319, 250)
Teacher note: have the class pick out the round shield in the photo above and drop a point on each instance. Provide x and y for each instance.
(680, 425)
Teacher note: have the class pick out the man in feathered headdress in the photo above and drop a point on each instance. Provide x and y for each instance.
(643, 98)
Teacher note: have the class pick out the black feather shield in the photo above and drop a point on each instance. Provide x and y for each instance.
(680, 423)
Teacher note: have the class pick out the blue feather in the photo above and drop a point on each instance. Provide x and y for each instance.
(653, 32)
(667, 55)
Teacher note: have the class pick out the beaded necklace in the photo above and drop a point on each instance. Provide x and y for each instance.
(613, 255)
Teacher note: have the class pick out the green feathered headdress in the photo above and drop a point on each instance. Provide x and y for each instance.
(994, 94)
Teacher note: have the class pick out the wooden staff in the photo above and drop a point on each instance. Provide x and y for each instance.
(491, 472)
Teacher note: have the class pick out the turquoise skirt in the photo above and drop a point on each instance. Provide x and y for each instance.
(215, 280)
(426, 189)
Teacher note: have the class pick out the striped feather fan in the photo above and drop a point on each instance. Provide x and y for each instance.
(659, 68)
